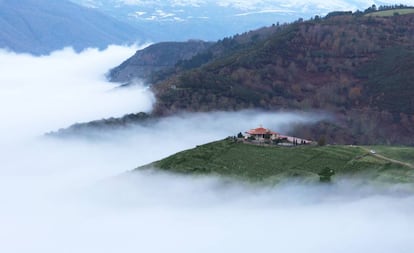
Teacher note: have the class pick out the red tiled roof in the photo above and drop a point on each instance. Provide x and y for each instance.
(260, 130)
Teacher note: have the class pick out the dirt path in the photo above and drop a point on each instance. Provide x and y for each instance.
(388, 159)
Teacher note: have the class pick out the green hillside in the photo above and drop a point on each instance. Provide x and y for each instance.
(274, 164)
(388, 13)
(403, 154)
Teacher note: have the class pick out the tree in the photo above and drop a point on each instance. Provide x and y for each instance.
(326, 174)
(322, 141)
(354, 93)
(240, 135)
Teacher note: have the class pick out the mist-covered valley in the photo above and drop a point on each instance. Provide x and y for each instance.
(76, 194)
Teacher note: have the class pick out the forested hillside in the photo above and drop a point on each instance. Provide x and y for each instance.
(358, 67)
(155, 58)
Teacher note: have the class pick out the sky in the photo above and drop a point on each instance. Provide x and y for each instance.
(78, 194)
(269, 4)
(210, 20)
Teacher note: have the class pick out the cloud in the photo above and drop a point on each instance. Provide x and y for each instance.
(263, 12)
(66, 195)
(262, 5)
(65, 87)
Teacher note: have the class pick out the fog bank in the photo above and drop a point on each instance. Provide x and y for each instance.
(53, 91)
(66, 195)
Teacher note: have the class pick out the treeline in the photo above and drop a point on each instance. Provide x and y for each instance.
(374, 8)
(238, 42)
(370, 9)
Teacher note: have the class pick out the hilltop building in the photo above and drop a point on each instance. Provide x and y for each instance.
(261, 133)
(264, 135)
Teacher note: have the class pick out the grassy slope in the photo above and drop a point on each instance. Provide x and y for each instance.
(389, 13)
(260, 163)
(404, 154)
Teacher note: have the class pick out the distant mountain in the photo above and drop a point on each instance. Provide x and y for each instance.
(178, 20)
(156, 58)
(171, 20)
(41, 26)
(91, 129)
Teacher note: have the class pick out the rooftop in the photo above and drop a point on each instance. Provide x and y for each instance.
(260, 130)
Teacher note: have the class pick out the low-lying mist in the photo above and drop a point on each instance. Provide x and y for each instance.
(57, 90)
(74, 195)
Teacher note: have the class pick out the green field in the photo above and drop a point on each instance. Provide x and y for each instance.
(389, 13)
(404, 154)
(274, 164)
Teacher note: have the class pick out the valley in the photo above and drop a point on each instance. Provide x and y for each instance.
(122, 148)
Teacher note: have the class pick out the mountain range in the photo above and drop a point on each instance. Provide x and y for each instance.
(42, 26)
(178, 20)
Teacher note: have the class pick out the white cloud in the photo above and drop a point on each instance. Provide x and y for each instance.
(193, 3)
(133, 2)
(44, 93)
(263, 12)
(261, 5)
(57, 195)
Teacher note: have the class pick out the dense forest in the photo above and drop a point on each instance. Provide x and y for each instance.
(357, 67)
(156, 58)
